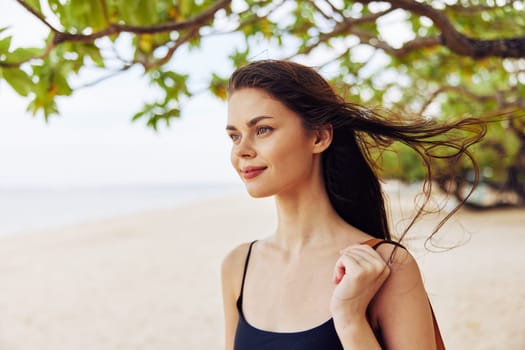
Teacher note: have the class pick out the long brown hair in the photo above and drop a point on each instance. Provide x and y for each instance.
(348, 168)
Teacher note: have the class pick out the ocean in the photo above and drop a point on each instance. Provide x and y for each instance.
(27, 210)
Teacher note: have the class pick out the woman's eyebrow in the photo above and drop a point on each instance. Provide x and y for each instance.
(250, 123)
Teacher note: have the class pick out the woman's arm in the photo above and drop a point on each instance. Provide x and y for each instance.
(388, 298)
(231, 275)
(401, 308)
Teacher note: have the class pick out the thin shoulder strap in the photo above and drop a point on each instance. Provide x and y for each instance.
(246, 268)
(376, 242)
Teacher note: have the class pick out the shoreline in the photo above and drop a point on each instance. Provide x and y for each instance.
(30, 210)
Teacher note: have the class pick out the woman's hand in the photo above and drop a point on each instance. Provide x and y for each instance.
(359, 273)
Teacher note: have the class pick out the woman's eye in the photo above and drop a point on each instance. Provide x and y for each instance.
(263, 130)
(234, 137)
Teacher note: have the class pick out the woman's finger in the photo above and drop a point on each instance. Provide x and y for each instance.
(360, 261)
(344, 264)
(367, 253)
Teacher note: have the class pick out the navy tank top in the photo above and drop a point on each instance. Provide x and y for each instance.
(247, 337)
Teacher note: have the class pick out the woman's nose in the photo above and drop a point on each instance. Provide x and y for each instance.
(244, 149)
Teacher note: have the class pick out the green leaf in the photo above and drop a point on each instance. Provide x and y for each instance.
(240, 58)
(62, 86)
(35, 5)
(19, 80)
(185, 7)
(145, 43)
(50, 109)
(23, 54)
(146, 14)
(5, 43)
(96, 19)
(94, 53)
(129, 10)
(137, 116)
(219, 86)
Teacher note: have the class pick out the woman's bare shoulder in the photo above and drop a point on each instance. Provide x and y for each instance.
(395, 254)
(401, 308)
(404, 270)
(236, 257)
(233, 265)
(404, 281)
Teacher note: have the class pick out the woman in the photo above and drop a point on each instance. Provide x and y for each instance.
(313, 284)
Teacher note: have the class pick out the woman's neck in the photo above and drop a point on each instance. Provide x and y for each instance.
(306, 219)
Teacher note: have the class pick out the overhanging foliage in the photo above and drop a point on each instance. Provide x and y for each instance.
(457, 59)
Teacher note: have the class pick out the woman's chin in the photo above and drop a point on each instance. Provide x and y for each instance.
(257, 192)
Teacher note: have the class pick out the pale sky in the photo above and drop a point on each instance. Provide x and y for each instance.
(93, 141)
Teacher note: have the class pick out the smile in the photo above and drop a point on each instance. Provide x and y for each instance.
(251, 172)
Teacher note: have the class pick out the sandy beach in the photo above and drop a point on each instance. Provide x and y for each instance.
(151, 280)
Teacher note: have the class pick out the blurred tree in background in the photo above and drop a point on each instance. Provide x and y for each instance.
(444, 59)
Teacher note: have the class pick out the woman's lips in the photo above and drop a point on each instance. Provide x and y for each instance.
(251, 172)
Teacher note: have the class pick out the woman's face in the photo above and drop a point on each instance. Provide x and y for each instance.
(272, 152)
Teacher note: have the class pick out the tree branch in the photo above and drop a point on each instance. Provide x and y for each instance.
(409, 46)
(474, 9)
(172, 50)
(342, 28)
(37, 15)
(111, 75)
(326, 16)
(115, 28)
(254, 19)
(498, 97)
(456, 41)
(335, 9)
(450, 37)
